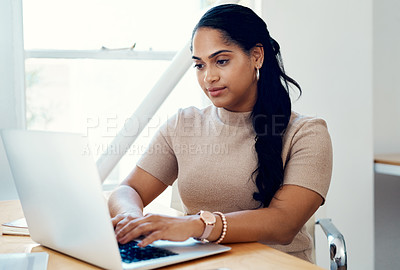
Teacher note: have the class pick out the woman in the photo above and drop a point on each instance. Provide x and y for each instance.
(254, 169)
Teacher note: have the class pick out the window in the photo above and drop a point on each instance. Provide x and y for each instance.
(89, 64)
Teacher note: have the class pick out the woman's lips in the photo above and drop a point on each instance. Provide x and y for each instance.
(215, 91)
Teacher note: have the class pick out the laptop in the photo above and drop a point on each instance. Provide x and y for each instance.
(61, 195)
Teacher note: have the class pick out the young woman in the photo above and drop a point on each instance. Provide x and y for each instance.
(248, 168)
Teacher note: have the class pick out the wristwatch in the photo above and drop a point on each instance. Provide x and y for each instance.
(209, 221)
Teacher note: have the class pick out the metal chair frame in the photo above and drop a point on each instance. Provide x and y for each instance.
(337, 245)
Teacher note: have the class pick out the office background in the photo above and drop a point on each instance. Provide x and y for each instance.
(345, 55)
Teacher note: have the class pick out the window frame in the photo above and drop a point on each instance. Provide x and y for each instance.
(107, 54)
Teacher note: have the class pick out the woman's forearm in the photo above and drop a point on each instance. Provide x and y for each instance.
(267, 225)
(290, 209)
(125, 200)
(254, 225)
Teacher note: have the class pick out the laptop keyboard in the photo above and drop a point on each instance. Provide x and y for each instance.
(131, 252)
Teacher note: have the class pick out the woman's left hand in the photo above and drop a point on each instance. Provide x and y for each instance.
(158, 227)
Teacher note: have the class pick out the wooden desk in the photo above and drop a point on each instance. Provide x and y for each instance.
(387, 164)
(242, 256)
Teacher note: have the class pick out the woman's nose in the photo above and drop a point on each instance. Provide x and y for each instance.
(211, 76)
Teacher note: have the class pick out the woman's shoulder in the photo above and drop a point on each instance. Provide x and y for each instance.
(297, 121)
(303, 130)
(303, 124)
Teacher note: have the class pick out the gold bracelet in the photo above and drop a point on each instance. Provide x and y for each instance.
(224, 227)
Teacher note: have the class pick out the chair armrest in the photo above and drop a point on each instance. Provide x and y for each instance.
(337, 246)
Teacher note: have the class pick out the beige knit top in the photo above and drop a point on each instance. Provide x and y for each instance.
(210, 152)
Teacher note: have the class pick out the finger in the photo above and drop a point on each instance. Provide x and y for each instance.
(154, 236)
(130, 231)
(115, 220)
(134, 231)
(130, 223)
(121, 224)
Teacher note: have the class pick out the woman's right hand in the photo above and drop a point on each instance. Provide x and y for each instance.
(153, 227)
(126, 203)
(120, 220)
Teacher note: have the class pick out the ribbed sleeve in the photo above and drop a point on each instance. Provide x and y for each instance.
(309, 155)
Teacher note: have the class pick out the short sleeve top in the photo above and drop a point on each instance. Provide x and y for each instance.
(211, 153)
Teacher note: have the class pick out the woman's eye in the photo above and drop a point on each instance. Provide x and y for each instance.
(198, 66)
(222, 62)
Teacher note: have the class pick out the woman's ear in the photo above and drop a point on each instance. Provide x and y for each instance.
(257, 55)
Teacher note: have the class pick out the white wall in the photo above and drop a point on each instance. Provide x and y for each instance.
(386, 76)
(327, 48)
(387, 130)
(11, 83)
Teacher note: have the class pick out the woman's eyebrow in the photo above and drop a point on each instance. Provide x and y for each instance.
(212, 55)
(218, 52)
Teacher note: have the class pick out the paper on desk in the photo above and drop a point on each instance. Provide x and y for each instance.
(24, 261)
(20, 223)
(15, 227)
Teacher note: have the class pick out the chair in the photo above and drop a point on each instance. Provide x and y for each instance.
(337, 246)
